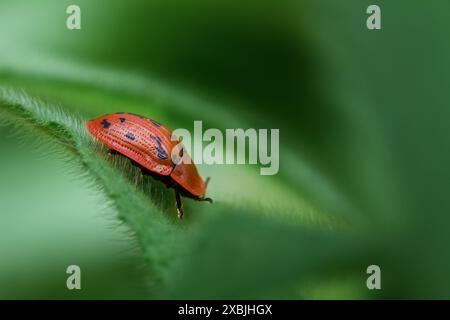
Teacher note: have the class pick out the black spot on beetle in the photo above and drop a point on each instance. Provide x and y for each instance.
(105, 123)
(156, 138)
(155, 123)
(122, 120)
(137, 115)
(130, 136)
(161, 153)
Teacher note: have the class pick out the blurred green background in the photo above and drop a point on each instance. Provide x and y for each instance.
(364, 143)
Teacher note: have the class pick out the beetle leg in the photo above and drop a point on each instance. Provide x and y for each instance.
(144, 172)
(206, 185)
(112, 152)
(179, 205)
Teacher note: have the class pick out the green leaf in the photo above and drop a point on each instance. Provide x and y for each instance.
(144, 204)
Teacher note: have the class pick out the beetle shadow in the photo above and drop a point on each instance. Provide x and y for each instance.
(157, 188)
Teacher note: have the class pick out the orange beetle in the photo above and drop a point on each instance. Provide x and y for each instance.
(149, 144)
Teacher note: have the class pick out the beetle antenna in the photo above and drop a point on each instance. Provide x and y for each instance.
(207, 181)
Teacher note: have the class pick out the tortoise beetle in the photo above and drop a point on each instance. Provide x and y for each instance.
(148, 144)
